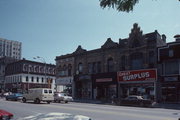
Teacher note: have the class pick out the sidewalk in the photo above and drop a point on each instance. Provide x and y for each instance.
(168, 105)
(88, 101)
(156, 105)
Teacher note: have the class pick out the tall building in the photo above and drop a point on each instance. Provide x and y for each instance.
(10, 48)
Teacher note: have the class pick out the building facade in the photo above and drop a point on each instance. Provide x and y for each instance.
(4, 61)
(169, 71)
(96, 71)
(64, 74)
(24, 74)
(10, 48)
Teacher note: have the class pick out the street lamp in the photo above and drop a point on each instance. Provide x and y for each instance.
(43, 60)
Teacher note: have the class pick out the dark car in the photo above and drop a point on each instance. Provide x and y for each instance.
(14, 96)
(4, 115)
(135, 100)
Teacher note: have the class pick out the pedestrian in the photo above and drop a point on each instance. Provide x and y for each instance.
(112, 98)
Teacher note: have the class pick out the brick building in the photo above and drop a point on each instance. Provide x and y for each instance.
(95, 71)
(169, 71)
(24, 74)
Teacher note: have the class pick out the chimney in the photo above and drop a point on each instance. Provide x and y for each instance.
(164, 37)
(177, 37)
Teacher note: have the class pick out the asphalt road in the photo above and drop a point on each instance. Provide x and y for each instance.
(94, 111)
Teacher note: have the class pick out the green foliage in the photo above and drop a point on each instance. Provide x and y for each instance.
(120, 5)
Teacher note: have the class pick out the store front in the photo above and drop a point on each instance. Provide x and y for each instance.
(138, 82)
(64, 84)
(83, 86)
(170, 88)
(105, 86)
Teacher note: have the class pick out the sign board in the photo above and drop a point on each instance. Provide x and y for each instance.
(104, 80)
(168, 79)
(64, 81)
(137, 75)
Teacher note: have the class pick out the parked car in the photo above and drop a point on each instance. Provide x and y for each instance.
(4, 115)
(14, 96)
(39, 94)
(58, 97)
(135, 100)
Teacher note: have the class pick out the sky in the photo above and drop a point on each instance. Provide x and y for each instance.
(50, 28)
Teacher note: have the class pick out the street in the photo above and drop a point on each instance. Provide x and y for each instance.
(94, 111)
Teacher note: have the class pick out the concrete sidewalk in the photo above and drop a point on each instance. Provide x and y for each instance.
(156, 105)
(167, 105)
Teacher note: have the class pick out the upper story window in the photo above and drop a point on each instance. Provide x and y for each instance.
(32, 79)
(69, 70)
(90, 68)
(98, 67)
(123, 62)
(136, 43)
(80, 67)
(110, 65)
(172, 67)
(151, 59)
(27, 79)
(171, 53)
(136, 61)
(37, 79)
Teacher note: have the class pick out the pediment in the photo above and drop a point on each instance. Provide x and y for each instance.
(109, 44)
(80, 50)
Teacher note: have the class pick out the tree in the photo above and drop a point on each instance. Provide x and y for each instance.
(120, 5)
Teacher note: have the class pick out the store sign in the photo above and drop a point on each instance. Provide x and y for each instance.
(64, 81)
(168, 79)
(104, 80)
(137, 75)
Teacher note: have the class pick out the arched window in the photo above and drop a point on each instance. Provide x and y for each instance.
(80, 67)
(110, 65)
(64, 72)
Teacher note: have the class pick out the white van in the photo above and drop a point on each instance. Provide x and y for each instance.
(39, 94)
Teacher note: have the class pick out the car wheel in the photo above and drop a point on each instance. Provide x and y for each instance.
(48, 102)
(7, 99)
(37, 101)
(66, 101)
(24, 100)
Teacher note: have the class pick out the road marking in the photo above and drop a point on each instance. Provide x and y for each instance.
(124, 108)
(115, 113)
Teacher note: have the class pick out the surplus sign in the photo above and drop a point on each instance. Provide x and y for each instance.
(137, 75)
